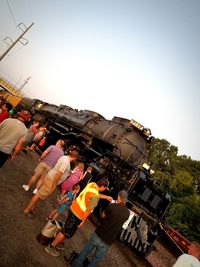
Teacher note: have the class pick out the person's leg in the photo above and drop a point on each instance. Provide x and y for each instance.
(63, 192)
(55, 216)
(68, 231)
(33, 179)
(40, 182)
(100, 252)
(32, 147)
(89, 247)
(51, 214)
(51, 249)
(58, 239)
(31, 204)
(43, 170)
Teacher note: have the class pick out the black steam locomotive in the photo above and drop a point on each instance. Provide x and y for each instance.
(115, 148)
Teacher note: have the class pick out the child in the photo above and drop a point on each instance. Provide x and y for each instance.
(64, 202)
(75, 176)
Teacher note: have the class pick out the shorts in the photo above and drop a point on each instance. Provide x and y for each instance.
(71, 225)
(61, 208)
(46, 188)
(42, 169)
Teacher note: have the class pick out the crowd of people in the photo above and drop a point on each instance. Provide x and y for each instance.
(78, 193)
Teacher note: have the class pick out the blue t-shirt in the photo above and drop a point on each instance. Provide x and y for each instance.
(60, 208)
(69, 195)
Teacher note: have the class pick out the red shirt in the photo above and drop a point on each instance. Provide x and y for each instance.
(4, 115)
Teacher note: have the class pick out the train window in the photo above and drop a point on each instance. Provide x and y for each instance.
(146, 194)
(155, 202)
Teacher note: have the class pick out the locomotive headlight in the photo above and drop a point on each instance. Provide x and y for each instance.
(40, 105)
(145, 166)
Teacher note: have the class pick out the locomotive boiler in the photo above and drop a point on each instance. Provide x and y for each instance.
(125, 138)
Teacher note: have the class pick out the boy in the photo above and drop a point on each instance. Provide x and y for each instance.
(64, 202)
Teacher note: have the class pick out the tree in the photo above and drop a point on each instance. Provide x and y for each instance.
(184, 216)
(163, 155)
(182, 184)
(164, 180)
(178, 175)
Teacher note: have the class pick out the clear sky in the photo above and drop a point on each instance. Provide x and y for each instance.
(127, 58)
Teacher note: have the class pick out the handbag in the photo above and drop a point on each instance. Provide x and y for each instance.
(46, 236)
(51, 228)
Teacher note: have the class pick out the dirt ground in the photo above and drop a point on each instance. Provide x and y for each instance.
(18, 244)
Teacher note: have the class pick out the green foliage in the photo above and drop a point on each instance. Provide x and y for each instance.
(163, 155)
(184, 215)
(177, 175)
(182, 184)
(164, 181)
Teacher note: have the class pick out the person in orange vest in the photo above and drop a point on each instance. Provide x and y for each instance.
(79, 211)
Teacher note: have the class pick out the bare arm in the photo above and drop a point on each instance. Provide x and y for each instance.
(81, 177)
(44, 154)
(90, 207)
(86, 215)
(63, 200)
(102, 196)
(18, 147)
(56, 178)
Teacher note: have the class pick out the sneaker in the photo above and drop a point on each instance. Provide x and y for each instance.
(61, 246)
(30, 213)
(35, 191)
(52, 251)
(26, 187)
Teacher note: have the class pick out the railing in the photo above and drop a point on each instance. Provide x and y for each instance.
(10, 87)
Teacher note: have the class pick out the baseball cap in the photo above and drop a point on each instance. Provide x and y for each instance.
(123, 195)
(25, 114)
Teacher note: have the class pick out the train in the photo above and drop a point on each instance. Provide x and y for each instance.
(117, 149)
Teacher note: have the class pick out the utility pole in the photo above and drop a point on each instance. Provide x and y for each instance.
(17, 40)
(25, 82)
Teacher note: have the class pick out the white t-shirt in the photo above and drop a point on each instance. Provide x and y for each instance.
(11, 130)
(187, 260)
(62, 165)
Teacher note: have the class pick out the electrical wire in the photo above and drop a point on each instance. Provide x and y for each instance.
(11, 12)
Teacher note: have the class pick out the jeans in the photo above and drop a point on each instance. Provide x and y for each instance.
(100, 247)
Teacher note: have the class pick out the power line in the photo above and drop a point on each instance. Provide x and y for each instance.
(12, 15)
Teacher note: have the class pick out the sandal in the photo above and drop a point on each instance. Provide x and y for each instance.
(30, 213)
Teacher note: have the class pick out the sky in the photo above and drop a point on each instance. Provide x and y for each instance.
(132, 59)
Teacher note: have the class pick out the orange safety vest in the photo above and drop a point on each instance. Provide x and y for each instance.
(80, 204)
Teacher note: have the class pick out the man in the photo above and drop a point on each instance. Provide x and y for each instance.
(114, 217)
(191, 259)
(48, 160)
(12, 132)
(79, 211)
(87, 177)
(53, 178)
(5, 111)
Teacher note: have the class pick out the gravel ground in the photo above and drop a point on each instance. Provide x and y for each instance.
(19, 247)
